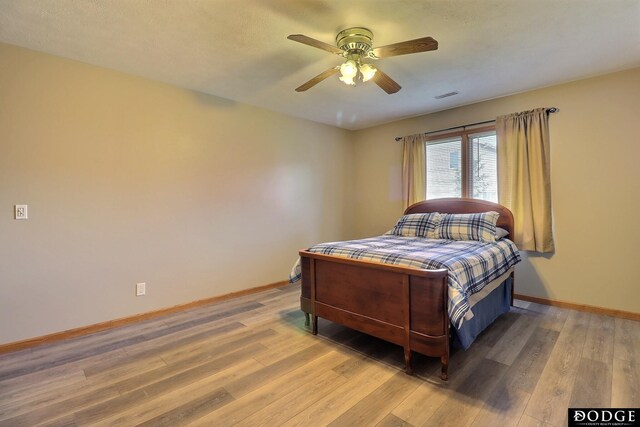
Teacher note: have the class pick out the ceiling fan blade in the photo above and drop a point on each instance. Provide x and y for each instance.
(317, 79)
(403, 48)
(385, 82)
(300, 38)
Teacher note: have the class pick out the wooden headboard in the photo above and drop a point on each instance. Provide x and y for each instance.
(460, 205)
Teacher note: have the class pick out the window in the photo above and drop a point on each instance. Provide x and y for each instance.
(463, 164)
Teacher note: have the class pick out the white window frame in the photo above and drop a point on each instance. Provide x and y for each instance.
(463, 134)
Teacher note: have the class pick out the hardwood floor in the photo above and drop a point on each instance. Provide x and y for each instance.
(251, 362)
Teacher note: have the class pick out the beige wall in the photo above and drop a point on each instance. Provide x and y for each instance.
(595, 158)
(130, 180)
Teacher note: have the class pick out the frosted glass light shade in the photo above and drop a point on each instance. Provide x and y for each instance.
(349, 69)
(368, 71)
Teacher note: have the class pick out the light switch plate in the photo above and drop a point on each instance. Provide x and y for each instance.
(20, 212)
(141, 289)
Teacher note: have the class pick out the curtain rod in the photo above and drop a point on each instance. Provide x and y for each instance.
(399, 138)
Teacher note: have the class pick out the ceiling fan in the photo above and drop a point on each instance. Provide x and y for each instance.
(355, 44)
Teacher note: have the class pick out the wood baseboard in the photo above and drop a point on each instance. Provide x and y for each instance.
(97, 327)
(581, 307)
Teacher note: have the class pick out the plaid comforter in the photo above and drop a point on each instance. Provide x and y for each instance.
(471, 264)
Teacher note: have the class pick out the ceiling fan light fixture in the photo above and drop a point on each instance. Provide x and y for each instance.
(367, 71)
(349, 69)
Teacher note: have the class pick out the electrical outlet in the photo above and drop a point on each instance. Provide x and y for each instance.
(141, 289)
(20, 212)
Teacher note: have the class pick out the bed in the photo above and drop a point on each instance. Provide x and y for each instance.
(412, 305)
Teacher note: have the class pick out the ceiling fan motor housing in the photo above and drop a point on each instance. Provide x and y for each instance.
(355, 40)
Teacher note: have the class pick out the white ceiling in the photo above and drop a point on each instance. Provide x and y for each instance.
(237, 49)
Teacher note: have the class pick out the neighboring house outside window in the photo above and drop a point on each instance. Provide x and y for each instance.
(463, 164)
(454, 160)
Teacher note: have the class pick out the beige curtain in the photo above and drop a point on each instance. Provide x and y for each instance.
(413, 169)
(524, 179)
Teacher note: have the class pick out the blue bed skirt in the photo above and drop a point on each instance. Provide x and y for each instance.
(484, 313)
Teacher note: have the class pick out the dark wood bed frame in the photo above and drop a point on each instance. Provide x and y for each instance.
(378, 299)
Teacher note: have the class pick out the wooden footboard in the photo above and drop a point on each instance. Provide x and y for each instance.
(402, 305)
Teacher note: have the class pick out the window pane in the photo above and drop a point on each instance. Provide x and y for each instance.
(484, 166)
(444, 172)
(454, 160)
